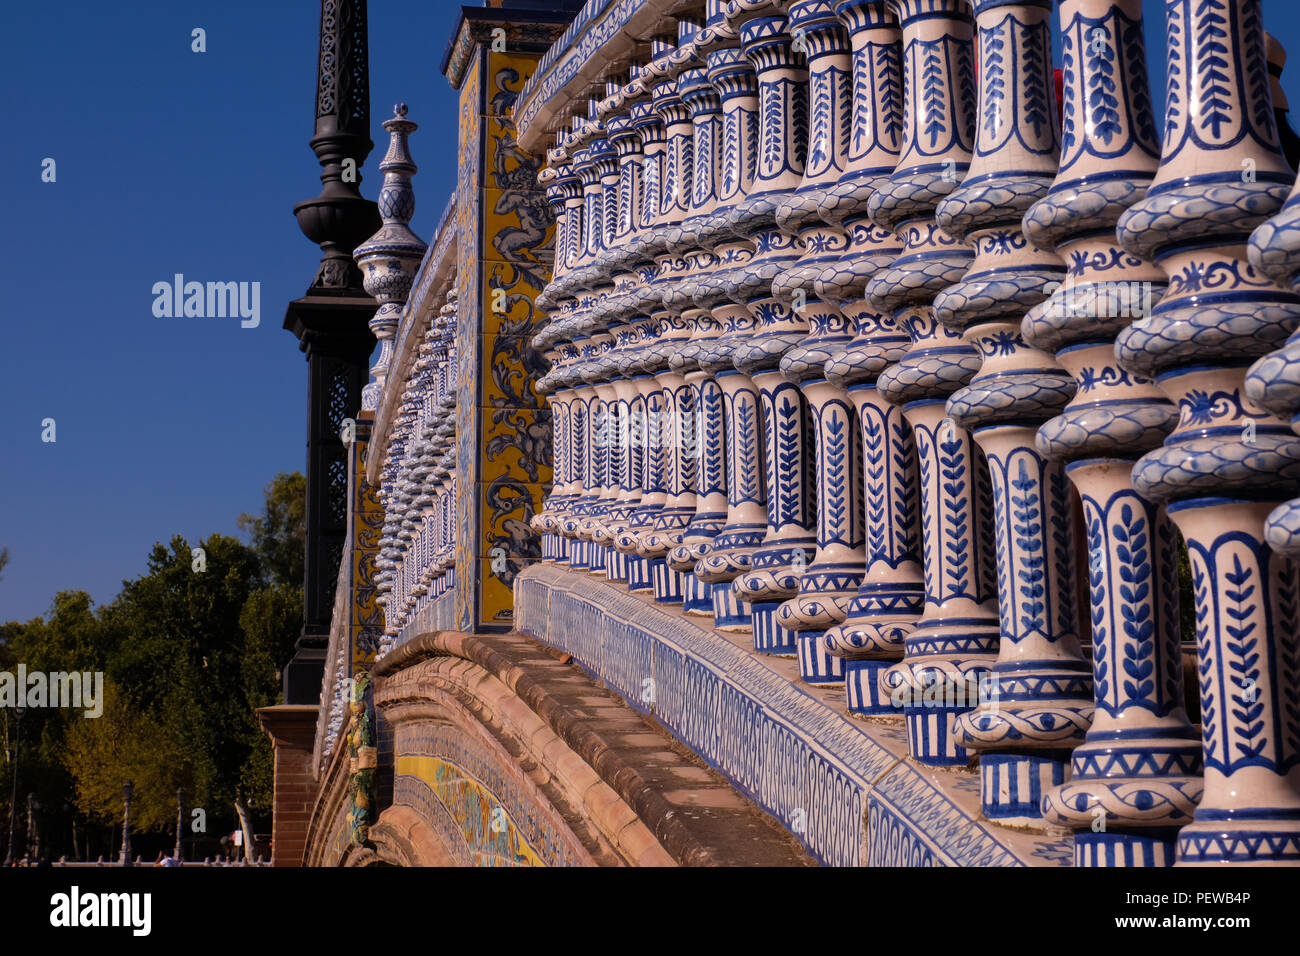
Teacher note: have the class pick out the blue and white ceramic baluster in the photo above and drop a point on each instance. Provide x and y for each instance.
(829, 582)
(1136, 777)
(953, 643)
(674, 269)
(547, 342)
(590, 163)
(701, 434)
(1229, 461)
(733, 76)
(869, 638)
(1042, 703)
(790, 541)
(634, 302)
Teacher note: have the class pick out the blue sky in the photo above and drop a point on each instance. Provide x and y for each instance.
(172, 161)
(167, 161)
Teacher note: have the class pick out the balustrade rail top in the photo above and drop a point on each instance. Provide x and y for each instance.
(602, 35)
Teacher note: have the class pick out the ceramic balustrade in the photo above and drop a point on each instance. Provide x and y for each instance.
(843, 349)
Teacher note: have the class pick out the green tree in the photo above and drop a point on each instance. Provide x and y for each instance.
(278, 534)
(125, 744)
(190, 649)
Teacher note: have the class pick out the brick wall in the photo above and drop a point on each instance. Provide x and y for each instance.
(292, 729)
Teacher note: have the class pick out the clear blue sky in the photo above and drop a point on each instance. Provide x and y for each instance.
(170, 161)
(167, 161)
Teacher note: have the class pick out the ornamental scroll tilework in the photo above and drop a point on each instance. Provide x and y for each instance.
(516, 424)
(468, 232)
(365, 521)
(483, 817)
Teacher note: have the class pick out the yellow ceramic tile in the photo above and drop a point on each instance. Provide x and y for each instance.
(518, 226)
(509, 292)
(516, 444)
(507, 507)
(509, 368)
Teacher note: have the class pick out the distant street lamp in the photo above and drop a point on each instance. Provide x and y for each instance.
(32, 851)
(127, 789)
(178, 852)
(13, 793)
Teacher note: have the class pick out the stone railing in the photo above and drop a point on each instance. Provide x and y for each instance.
(861, 343)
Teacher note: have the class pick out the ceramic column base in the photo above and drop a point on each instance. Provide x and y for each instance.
(1250, 842)
(1124, 849)
(862, 681)
(769, 636)
(930, 736)
(578, 554)
(616, 566)
(1012, 785)
(668, 584)
(815, 665)
(638, 573)
(697, 597)
(729, 612)
(597, 555)
(944, 674)
(1138, 788)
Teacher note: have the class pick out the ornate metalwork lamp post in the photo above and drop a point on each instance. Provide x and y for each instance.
(330, 321)
(127, 789)
(13, 793)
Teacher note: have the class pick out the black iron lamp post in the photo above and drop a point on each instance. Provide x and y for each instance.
(178, 852)
(127, 789)
(13, 793)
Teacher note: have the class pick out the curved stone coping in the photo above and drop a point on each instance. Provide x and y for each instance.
(615, 758)
(787, 745)
(602, 33)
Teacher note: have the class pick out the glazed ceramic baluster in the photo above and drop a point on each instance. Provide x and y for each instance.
(596, 448)
(588, 164)
(733, 76)
(607, 453)
(567, 439)
(701, 435)
(678, 398)
(886, 588)
(677, 461)
(790, 541)
(954, 641)
(565, 487)
(591, 453)
(825, 587)
(1228, 462)
(621, 263)
(545, 520)
(1043, 700)
(567, 525)
(633, 302)
(627, 446)
(1136, 778)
